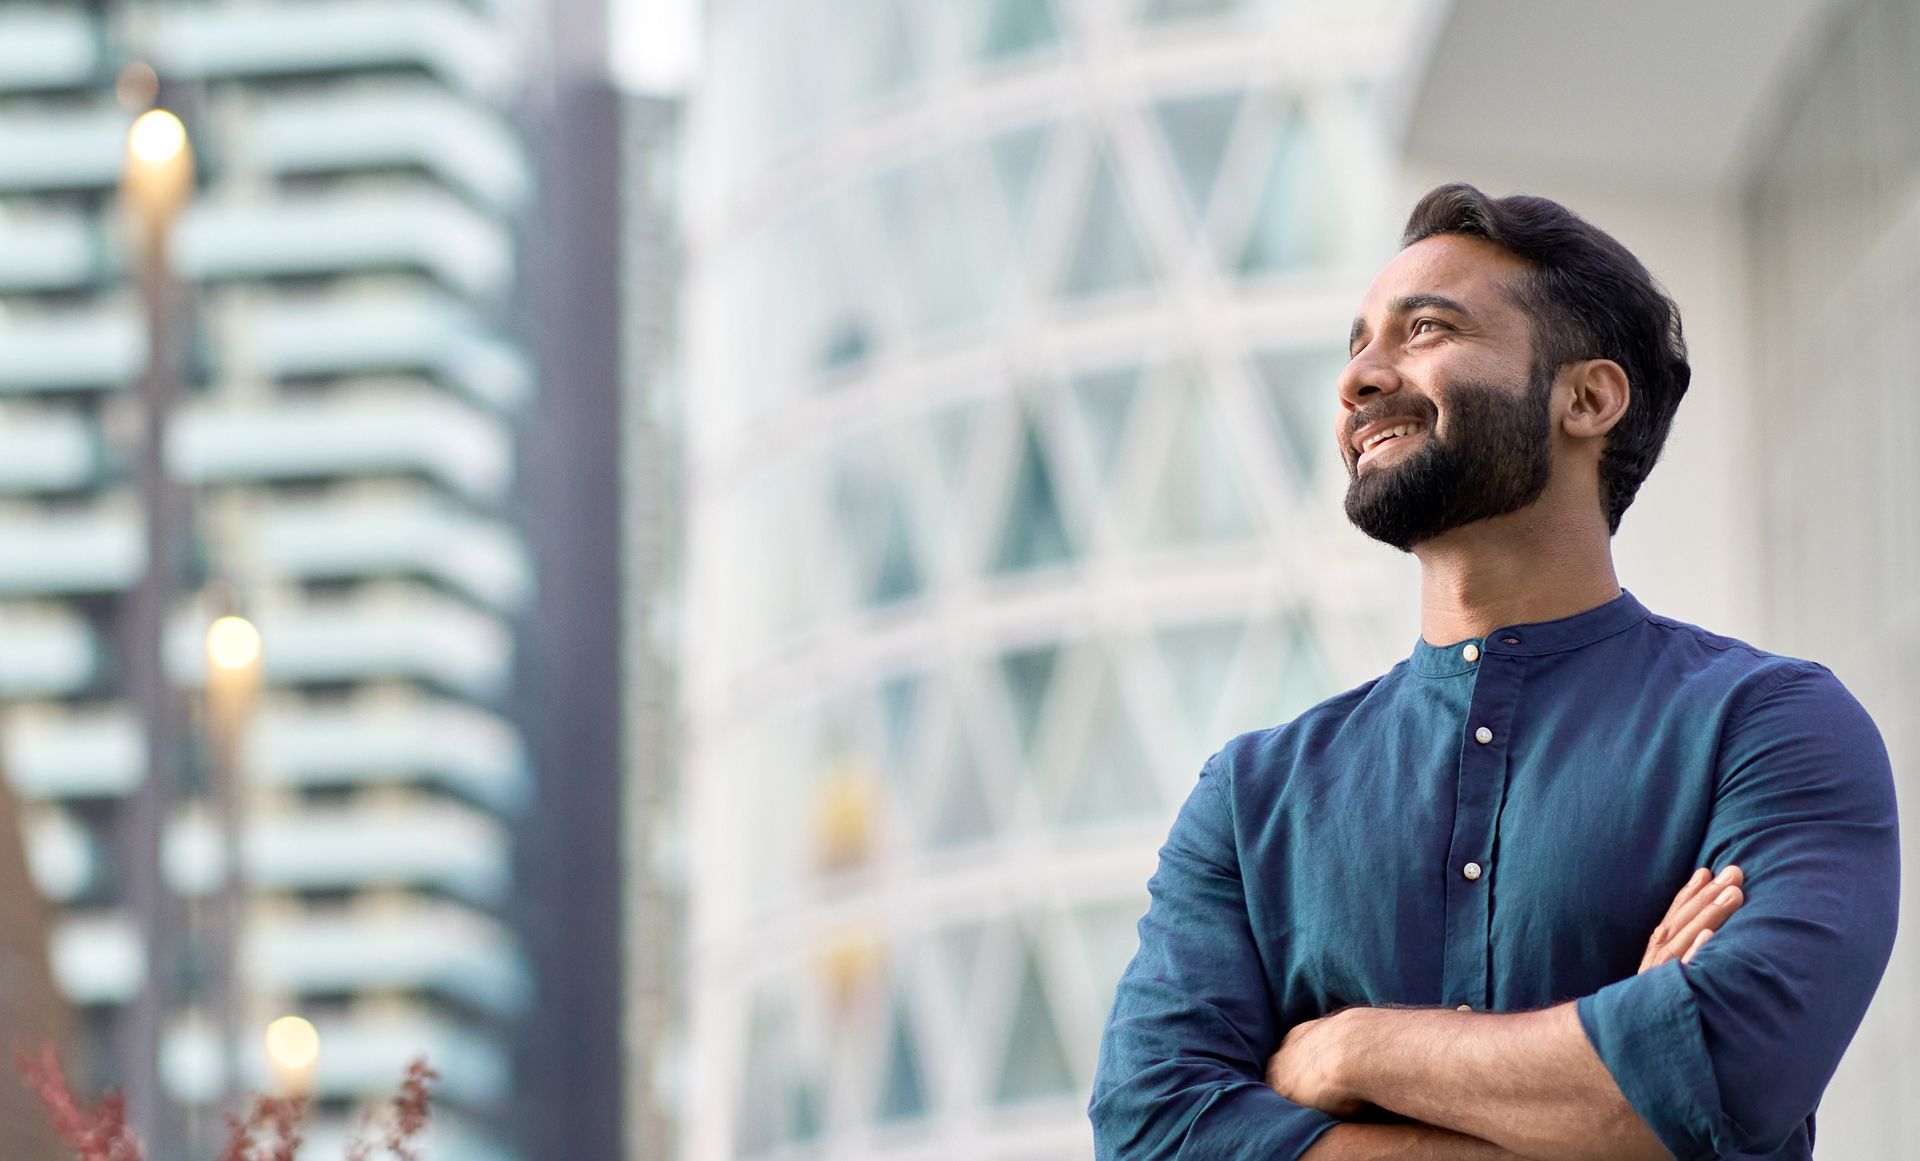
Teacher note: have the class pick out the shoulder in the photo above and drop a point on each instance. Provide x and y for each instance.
(1728, 666)
(1263, 756)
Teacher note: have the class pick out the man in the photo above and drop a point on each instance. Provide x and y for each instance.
(1415, 921)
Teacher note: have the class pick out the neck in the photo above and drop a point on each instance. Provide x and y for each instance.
(1517, 569)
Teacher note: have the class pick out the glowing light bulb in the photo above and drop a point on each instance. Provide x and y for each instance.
(157, 137)
(292, 1044)
(233, 643)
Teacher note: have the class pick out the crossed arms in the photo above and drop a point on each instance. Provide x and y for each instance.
(1724, 1055)
(1530, 1081)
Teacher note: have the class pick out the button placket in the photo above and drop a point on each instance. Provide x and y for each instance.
(1467, 973)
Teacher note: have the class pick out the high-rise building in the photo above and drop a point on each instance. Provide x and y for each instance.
(355, 357)
(1763, 162)
(1011, 330)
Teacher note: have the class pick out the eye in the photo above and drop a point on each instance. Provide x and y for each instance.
(1423, 325)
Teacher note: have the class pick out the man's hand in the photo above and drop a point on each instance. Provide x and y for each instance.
(1698, 911)
(1307, 1068)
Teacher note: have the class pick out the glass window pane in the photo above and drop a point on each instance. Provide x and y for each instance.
(1109, 254)
(1196, 131)
(1033, 532)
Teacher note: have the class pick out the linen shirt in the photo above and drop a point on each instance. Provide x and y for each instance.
(1499, 824)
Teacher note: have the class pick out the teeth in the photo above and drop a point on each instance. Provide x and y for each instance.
(1373, 440)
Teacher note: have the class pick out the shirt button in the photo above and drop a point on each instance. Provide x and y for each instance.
(1471, 870)
(1483, 735)
(1471, 653)
(1464, 1008)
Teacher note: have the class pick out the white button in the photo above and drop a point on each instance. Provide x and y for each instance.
(1483, 735)
(1471, 653)
(1464, 1008)
(1471, 870)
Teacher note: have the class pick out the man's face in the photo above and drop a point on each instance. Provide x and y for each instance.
(1442, 422)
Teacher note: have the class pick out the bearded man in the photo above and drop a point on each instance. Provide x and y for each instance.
(1414, 922)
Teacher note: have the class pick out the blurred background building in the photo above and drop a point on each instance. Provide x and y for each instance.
(386, 337)
(1011, 335)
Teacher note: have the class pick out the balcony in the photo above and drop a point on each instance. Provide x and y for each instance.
(410, 433)
(429, 947)
(410, 536)
(406, 633)
(417, 843)
(43, 49)
(48, 251)
(470, 752)
(64, 150)
(418, 127)
(264, 40)
(100, 350)
(71, 552)
(50, 451)
(51, 754)
(432, 335)
(97, 958)
(424, 229)
(45, 651)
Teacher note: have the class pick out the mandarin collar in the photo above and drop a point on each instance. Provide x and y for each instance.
(1621, 613)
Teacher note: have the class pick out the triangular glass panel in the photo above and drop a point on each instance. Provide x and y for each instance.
(898, 576)
(759, 1125)
(1029, 675)
(1199, 659)
(1033, 533)
(903, 1090)
(1301, 389)
(964, 812)
(951, 429)
(1109, 934)
(1292, 228)
(1196, 131)
(1113, 780)
(1290, 679)
(960, 949)
(1109, 254)
(1104, 401)
(1201, 498)
(1017, 162)
(803, 1111)
(892, 57)
(1034, 1065)
(899, 714)
(1018, 27)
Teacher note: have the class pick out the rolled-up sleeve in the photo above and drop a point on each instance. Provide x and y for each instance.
(1730, 1054)
(1185, 1050)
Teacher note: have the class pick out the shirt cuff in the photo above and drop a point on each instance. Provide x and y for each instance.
(1646, 1030)
(1251, 1120)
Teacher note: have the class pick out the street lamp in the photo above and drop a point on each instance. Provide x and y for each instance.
(156, 185)
(233, 654)
(293, 1048)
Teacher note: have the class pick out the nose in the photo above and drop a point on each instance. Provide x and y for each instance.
(1367, 374)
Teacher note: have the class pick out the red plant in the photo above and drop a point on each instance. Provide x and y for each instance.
(96, 1134)
(271, 1130)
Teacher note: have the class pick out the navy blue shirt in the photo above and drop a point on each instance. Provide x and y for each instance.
(1501, 823)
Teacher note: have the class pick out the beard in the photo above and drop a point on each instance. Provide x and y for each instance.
(1497, 458)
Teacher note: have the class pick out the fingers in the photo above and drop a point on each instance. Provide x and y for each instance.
(1702, 905)
(1699, 941)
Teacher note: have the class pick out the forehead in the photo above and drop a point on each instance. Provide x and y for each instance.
(1472, 271)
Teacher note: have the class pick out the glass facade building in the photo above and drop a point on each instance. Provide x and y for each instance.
(1011, 335)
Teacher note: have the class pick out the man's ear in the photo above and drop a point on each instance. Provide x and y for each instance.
(1598, 397)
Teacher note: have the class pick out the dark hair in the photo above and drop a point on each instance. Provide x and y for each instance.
(1588, 297)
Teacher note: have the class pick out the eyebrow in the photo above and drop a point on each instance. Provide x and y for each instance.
(1407, 304)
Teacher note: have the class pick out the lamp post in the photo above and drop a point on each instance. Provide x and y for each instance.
(233, 664)
(156, 184)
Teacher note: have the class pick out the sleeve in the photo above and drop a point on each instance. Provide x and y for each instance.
(1184, 1055)
(1731, 1053)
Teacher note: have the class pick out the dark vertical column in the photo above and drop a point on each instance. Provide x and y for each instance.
(569, 868)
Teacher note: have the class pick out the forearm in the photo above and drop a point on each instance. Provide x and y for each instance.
(1529, 1082)
(1401, 1143)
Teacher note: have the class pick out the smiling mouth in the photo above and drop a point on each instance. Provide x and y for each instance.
(1380, 439)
